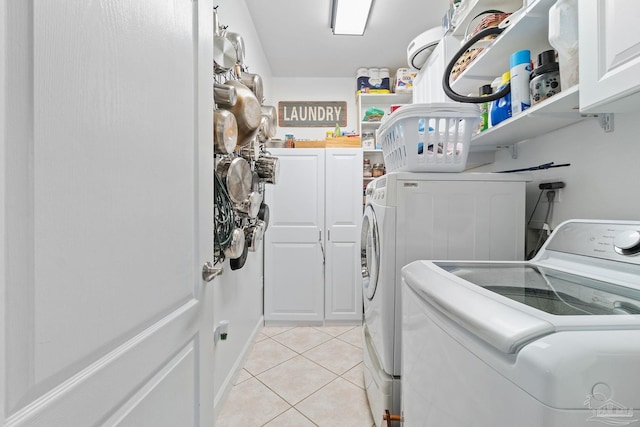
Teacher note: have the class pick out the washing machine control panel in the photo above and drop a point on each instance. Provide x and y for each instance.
(378, 195)
(627, 242)
(376, 189)
(616, 241)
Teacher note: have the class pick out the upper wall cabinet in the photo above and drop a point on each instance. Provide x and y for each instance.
(609, 56)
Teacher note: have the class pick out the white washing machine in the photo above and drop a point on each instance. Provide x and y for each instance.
(411, 216)
(552, 342)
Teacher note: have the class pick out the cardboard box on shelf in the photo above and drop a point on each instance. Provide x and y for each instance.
(343, 142)
(310, 143)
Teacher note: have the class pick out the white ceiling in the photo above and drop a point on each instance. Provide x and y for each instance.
(298, 42)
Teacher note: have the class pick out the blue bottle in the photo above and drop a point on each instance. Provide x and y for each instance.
(501, 108)
(520, 63)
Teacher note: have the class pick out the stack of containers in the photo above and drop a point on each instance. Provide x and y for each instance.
(373, 80)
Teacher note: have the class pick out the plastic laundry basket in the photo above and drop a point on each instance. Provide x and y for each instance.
(428, 137)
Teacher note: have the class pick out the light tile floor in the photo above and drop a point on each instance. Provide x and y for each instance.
(300, 377)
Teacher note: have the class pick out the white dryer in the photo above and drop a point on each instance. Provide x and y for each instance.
(552, 342)
(411, 216)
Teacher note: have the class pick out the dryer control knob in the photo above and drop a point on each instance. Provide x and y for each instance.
(627, 242)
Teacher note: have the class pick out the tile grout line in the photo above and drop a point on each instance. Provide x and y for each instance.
(255, 377)
(278, 364)
(297, 353)
(294, 406)
(311, 348)
(324, 367)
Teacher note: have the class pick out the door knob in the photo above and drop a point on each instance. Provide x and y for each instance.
(209, 272)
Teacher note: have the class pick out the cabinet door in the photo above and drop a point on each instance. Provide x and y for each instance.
(293, 268)
(609, 56)
(343, 210)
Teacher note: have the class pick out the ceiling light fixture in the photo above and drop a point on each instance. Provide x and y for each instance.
(349, 17)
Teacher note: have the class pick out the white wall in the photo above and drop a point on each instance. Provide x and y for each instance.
(316, 89)
(238, 294)
(601, 182)
(235, 15)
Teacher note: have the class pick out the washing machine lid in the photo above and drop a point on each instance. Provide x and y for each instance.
(561, 357)
(550, 291)
(511, 304)
(501, 325)
(581, 280)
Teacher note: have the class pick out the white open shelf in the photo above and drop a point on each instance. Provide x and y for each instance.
(554, 113)
(529, 29)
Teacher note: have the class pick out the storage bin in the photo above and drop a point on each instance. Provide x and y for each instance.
(428, 137)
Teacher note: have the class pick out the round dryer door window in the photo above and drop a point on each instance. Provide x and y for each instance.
(370, 253)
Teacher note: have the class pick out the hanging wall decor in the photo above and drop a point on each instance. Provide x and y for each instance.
(312, 113)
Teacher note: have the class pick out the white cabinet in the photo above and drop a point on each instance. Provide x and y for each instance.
(293, 253)
(343, 218)
(312, 244)
(609, 56)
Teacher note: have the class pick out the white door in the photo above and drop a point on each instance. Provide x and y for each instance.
(106, 183)
(294, 251)
(609, 56)
(343, 219)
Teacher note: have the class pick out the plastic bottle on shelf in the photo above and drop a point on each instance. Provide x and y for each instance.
(484, 108)
(563, 36)
(501, 108)
(495, 84)
(520, 70)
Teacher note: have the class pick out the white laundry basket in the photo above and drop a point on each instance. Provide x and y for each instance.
(428, 137)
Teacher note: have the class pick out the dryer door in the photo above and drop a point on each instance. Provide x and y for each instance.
(370, 252)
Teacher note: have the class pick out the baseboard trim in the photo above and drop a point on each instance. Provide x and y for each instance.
(232, 376)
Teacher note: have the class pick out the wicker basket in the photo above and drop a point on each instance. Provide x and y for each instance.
(428, 137)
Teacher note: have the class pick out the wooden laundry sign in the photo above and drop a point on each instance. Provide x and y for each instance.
(312, 113)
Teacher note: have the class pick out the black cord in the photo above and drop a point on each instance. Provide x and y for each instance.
(535, 168)
(224, 220)
(551, 195)
(447, 72)
(535, 207)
